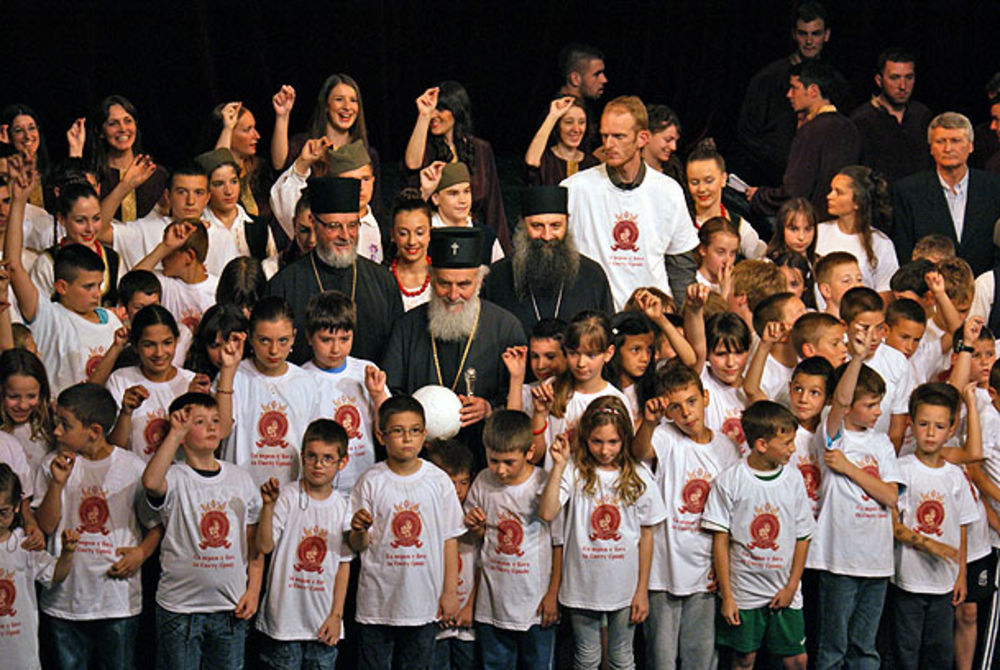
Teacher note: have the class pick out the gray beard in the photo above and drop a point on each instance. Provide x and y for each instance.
(543, 266)
(333, 259)
(451, 326)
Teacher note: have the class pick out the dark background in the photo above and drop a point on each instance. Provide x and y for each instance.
(177, 60)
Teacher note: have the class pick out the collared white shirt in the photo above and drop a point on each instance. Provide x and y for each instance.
(956, 199)
(495, 254)
(238, 232)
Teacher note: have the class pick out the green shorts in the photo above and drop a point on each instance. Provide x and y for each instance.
(782, 632)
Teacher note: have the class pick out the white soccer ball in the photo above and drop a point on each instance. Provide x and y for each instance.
(442, 410)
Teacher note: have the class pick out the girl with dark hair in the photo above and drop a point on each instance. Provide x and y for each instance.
(241, 284)
(19, 127)
(660, 153)
(794, 230)
(145, 391)
(558, 149)
(798, 276)
(114, 144)
(859, 198)
(444, 132)
(632, 366)
(216, 327)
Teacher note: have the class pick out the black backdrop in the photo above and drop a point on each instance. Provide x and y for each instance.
(177, 60)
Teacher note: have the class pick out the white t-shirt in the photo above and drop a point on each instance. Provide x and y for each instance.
(19, 570)
(601, 539)
(100, 501)
(982, 301)
(978, 541)
(204, 552)
(936, 503)
(774, 380)
(70, 346)
(43, 275)
(467, 549)
(344, 398)
(928, 360)
(270, 415)
(575, 407)
(725, 408)
(40, 228)
(516, 553)
(682, 552)
(12, 453)
(187, 302)
(806, 462)
(829, 238)
(854, 532)
(989, 420)
(402, 570)
(34, 449)
(764, 518)
(629, 232)
(308, 550)
(134, 240)
(897, 373)
(150, 420)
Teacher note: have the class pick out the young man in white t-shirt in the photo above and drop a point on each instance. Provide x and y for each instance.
(688, 456)
(350, 389)
(762, 521)
(852, 547)
(73, 333)
(404, 520)
(211, 572)
(303, 612)
(520, 557)
(931, 524)
(187, 287)
(93, 488)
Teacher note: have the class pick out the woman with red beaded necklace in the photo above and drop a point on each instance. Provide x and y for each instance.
(411, 233)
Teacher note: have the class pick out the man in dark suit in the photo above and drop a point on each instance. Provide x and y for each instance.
(952, 200)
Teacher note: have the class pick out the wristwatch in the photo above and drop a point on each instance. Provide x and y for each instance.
(961, 347)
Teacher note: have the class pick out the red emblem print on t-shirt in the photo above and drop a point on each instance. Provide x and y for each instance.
(764, 528)
(930, 513)
(214, 526)
(93, 511)
(604, 521)
(272, 426)
(8, 593)
(349, 418)
(695, 492)
(406, 526)
(190, 318)
(311, 550)
(157, 427)
(732, 428)
(510, 534)
(810, 477)
(625, 232)
(95, 358)
(869, 465)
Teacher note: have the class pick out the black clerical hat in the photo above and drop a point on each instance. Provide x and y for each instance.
(334, 195)
(544, 200)
(456, 247)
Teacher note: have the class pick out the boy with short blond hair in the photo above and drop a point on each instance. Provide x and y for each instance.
(934, 247)
(752, 282)
(836, 274)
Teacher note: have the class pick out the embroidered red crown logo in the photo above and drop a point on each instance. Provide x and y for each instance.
(765, 528)
(625, 232)
(93, 511)
(605, 520)
(406, 525)
(510, 534)
(348, 416)
(272, 425)
(930, 514)
(311, 550)
(695, 492)
(810, 476)
(157, 427)
(8, 593)
(214, 526)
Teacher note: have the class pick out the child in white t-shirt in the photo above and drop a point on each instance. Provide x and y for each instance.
(404, 520)
(272, 400)
(760, 514)
(146, 390)
(775, 348)
(544, 354)
(19, 570)
(852, 547)
(688, 455)
(26, 411)
(558, 405)
(93, 488)
(350, 389)
(211, 572)
(931, 524)
(303, 611)
(611, 510)
(456, 644)
(515, 608)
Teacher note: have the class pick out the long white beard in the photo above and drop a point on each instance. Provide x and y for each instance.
(332, 258)
(451, 326)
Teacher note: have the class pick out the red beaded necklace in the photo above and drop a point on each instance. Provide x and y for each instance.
(405, 291)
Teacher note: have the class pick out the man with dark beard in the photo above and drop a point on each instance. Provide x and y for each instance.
(333, 264)
(546, 276)
(442, 342)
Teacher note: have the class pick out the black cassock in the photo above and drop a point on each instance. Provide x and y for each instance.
(590, 290)
(377, 298)
(409, 360)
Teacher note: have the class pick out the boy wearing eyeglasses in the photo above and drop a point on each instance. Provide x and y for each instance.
(404, 520)
(303, 611)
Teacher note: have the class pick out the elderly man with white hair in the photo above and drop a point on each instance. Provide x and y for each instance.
(953, 199)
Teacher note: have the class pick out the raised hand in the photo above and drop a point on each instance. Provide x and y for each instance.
(775, 332)
(231, 114)
(200, 384)
(427, 102)
(270, 490)
(971, 329)
(430, 177)
(312, 151)
(121, 337)
(374, 380)
(176, 234)
(232, 351)
(22, 177)
(541, 397)
(726, 279)
(133, 397)
(935, 282)
(697, 296)
(62, 466)
(650, 304)
(516, 360)
(560, 106)
(139, 171)
(361, 521)
(559, 450)
(70, 538)
(283, 101)
(76, 137)
(654, 409)
(180, 421)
